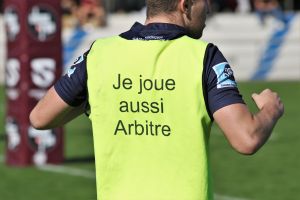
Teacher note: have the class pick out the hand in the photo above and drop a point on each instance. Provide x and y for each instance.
(269, 100)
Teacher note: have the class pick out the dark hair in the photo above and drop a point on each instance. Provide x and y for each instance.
(155, 7)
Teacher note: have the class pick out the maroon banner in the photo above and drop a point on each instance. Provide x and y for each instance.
(34, 63)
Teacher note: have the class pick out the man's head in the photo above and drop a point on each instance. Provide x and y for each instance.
(155, 7)
(191, 14)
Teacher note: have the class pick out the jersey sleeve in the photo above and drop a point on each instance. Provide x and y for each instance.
(72, 87)
(220, 87)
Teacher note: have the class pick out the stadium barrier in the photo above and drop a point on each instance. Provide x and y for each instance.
(34, 64)
(2, 50)
(255, 51)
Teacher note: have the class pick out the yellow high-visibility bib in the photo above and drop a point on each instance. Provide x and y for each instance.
(149, 119)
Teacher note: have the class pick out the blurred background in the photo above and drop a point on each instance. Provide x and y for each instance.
(261, 40)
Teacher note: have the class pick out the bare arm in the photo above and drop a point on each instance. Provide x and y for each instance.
(52, 111)
(247, 132)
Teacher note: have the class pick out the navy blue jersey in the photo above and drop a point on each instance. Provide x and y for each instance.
(219, 85)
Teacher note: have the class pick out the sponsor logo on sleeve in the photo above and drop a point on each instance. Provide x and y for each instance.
(79, 60)
(73, 68)
(225, 75)
(71, 72)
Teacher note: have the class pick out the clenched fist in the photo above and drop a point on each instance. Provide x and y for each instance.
(270, 101)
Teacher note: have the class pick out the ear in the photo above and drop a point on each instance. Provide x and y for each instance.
(185, 7)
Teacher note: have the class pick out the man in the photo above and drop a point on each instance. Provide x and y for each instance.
(91, 12)
(225, 5)
(153, 93)
(266, 8)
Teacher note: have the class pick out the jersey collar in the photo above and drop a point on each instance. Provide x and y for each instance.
(154, 31)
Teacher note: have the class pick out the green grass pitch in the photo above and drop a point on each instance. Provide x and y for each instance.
(271, 174)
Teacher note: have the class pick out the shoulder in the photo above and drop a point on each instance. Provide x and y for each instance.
(105, 40)
(72, 86)
(220, 87)
(213, 55)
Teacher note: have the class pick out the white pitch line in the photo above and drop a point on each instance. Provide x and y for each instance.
(63, 170)
(68, 171)
(91, 175)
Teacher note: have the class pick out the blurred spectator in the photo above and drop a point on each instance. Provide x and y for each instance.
(266, 8)
(91, 12)
(225, 5)
(83, 12)
(68, 6)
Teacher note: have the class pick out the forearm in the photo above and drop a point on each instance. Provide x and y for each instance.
(52, 111)
(44, 123)
(263, 124)
(246, 132)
